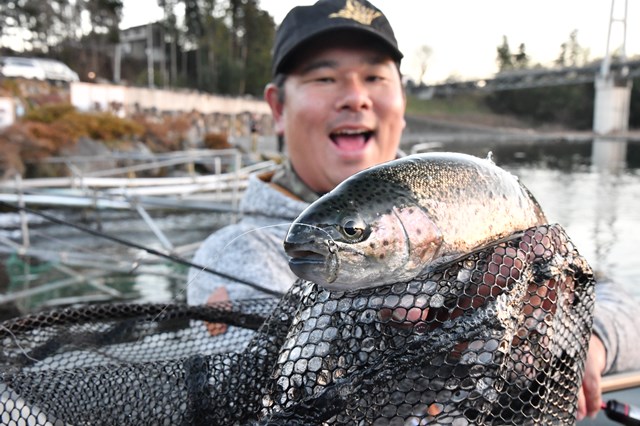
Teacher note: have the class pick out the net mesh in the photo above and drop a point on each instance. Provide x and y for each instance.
(498, 336)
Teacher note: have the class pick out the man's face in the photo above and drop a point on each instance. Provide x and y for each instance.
(343, 112)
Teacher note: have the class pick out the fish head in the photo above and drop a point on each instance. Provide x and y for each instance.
(365, 233)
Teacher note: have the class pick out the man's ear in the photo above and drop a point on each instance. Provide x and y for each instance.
(272, 97)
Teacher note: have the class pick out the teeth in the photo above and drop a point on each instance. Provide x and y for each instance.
(350, 132)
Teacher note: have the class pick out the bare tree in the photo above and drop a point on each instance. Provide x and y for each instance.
(572, 54)
(422, 57)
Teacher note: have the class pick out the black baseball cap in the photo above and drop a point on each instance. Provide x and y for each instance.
(304, 23)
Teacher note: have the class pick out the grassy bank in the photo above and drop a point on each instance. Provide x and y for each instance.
(469, 108)
(472, 104)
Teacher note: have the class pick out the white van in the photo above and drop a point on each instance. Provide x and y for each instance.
(11, 66)
(56, 70)
(36, 68)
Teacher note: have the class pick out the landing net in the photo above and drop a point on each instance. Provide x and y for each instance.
(498, 336)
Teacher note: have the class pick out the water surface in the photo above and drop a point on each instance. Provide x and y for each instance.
(591, 188)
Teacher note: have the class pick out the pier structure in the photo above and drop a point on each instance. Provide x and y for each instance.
(123, 188)
(613, 87)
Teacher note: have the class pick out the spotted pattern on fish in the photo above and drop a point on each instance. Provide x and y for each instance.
(389, 222)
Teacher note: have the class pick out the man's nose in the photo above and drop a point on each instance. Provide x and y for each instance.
(354, 95)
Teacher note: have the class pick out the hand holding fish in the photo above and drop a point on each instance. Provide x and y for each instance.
(590, 397)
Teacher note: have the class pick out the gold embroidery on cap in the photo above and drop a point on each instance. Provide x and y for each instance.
(356, 11)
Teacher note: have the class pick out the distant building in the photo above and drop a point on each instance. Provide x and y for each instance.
(143, 43)
(136, 40)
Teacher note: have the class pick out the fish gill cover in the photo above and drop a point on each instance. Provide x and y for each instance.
(495, 336)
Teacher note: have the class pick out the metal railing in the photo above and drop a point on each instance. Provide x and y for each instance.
(122, 187)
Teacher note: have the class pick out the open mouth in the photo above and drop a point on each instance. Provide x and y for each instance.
(308, 265)
(304, 253)
(351, 139)
(304, 256)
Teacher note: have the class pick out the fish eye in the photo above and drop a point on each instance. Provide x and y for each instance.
(353, 228)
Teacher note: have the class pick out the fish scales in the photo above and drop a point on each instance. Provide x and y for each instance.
(390, 222)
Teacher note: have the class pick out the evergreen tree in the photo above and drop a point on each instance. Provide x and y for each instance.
(504, 59)
(37, 25)
(521, 59)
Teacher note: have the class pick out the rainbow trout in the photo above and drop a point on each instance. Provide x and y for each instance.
(391, 222)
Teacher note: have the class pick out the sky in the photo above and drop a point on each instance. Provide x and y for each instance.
(463, 34)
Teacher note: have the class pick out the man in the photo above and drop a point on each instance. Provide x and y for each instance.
(338, 101)
(337, 98)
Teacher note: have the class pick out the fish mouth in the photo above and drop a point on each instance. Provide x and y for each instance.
(299, 256)
(317, 263)
(305, 254)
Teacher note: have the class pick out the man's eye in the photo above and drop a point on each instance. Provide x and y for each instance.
(375, 78)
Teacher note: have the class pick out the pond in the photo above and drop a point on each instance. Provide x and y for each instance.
(591, 188)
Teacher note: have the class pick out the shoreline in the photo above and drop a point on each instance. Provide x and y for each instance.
(421, 129)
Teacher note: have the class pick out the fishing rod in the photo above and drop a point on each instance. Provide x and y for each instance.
(172, 257)
(625, 414)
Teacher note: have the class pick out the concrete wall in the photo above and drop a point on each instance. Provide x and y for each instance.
(124, 100)
(7, 112)
(611, 105)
